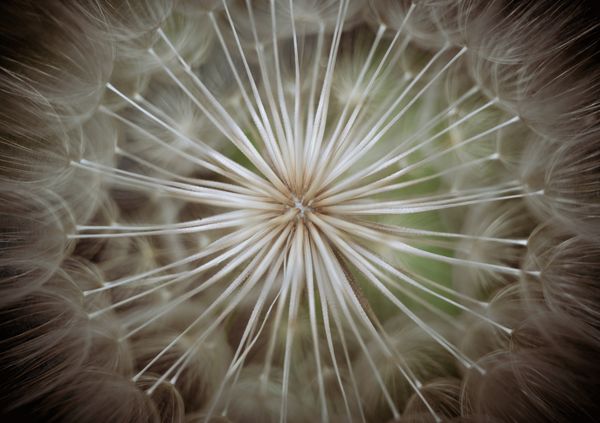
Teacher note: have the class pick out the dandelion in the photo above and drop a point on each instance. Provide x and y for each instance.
(300, 210)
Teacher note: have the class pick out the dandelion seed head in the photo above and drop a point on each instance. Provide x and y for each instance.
(301, 211)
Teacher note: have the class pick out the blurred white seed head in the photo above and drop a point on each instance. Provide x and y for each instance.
(299, 211)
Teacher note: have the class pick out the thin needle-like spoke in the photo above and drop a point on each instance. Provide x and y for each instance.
(265, 128)
(328, 261)
(310, 284)
(325, 305)
(295, 277)
(251, 275)
(316, 137)
(372, 235)
(238, 240)
(205, 150)
(191, 193)
(245, 347)
(400, 151)
(188, 180)
(368, 270)
(354, 153)
(381, 182)
(183, 276)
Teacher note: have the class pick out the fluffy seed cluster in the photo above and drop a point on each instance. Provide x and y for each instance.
(299, 211)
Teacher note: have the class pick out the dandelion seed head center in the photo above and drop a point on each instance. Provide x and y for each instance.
(299, 208)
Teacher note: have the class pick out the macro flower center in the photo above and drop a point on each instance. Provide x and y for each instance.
(299, 211)
(301, 207)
